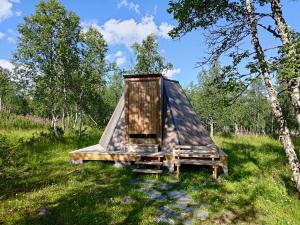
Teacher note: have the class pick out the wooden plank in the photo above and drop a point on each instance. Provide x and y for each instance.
(198, 155)
(104, 157)
(192, 147)
(146, 171)
(194, 151)
(198, 162)
(148, 163)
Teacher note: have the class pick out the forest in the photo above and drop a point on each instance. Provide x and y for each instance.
(63, 90)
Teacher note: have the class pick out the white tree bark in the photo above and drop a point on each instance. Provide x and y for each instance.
(276, 108)
(282, 28)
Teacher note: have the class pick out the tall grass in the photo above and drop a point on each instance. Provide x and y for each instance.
(13, 121)
(258, 190)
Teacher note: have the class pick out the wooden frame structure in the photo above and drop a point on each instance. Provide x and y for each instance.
(153, 125)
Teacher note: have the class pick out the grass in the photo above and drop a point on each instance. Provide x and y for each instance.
(258, 189)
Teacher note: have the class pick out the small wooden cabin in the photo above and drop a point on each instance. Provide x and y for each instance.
(154, 124)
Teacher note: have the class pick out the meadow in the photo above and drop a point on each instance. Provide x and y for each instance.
(36, 177)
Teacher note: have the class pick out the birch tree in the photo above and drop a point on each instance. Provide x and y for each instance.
(228, 24)
(148, 58)
(47, 55)
(291, 52)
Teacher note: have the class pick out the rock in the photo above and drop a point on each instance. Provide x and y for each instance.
(188, 222)
(121, 164)
(153, 194)
(202, 214)
(164, 219)
(73, 161)
(108, 200)
(169, 212)
(136, 182)
(127, 200)
(42, 212)
(173, 181)
(180, 197)
(163, 187)
(149, 181)
(184, 208)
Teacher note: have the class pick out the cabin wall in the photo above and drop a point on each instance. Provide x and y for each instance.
(143, 103)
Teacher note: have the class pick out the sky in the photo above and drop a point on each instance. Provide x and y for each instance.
(124, 22)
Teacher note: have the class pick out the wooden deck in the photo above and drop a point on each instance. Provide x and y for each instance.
(96, 152)
(181, 155)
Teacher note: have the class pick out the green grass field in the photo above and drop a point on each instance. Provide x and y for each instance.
(258, 189)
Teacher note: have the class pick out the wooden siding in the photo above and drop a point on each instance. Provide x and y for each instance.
(143, 109)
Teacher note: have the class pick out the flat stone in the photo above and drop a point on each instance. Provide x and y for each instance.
(188, 222)
(164, 219)
(164, 187)
(184, 208)
(149, 181)
(169, 212)
(153, 194)
(121, 164)
(202, 214)
(127, 200)
(73, 161)
(173, 181)
(136, 182)
(180, 197)
(108, 200)
(42, 212)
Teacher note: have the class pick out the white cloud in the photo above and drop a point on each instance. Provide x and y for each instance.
(6, 8)
(1, 35)
(164, 29)
(11, 40)
(118, 54)
(118, 58)
(18, 13)
(171, 72)
(127, 32)
(132, 6)
(120, 61)
(6, 64)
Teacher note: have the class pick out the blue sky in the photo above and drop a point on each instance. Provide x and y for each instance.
(124, 22)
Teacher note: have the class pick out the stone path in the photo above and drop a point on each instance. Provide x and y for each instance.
(176, 206)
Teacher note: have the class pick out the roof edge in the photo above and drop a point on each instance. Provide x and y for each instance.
(142, 75)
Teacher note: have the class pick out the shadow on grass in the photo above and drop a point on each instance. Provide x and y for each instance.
(99, 197)
(99, 202)
(41, 167)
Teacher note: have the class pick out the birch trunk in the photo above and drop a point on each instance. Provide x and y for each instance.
(211, 123)
(54, 123)
(284, 132)
(64, 109)
(293, 83)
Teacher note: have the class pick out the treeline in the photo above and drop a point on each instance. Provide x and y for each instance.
(236, 111)
(61, 71)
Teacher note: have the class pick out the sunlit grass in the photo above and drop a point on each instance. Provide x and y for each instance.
(258, 189)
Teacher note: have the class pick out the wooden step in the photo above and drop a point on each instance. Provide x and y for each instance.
(196, 155)
(147, 171)
(198, 162)
(148, 163)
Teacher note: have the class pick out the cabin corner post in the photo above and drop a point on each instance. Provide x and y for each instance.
(224, 161)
